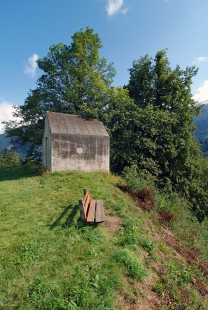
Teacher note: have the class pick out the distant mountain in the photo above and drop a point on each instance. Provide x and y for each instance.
(201, 132)
(4, 142)
(202, 124)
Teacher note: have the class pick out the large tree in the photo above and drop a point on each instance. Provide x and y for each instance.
(167, 110)
(154, 129)
(75, 80)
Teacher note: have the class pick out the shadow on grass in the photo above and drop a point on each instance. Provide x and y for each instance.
(9, 173)
(70, 218)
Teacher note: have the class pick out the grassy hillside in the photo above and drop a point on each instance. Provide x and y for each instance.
(136, 259)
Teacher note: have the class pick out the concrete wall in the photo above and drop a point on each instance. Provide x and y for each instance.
(46, 146)
(80, 152)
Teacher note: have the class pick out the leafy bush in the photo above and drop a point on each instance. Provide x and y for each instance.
(180, 274)
(147, 245)
(141, 185)
(136, 181)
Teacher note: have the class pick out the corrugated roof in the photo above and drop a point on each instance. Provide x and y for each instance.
(75, 124)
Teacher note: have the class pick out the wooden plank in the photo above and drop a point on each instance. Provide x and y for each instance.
(87, 194)
(85, 203)
(99, 211)
(91, 212)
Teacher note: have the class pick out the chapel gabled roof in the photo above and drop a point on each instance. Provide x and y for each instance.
(74, 124)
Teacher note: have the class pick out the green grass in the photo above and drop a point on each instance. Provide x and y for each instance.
(50, 260)
(9, 173)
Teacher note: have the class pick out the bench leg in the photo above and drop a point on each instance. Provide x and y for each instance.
(81, 210)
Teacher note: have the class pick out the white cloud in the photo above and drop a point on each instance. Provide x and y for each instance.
(31, 65)
(115, 6)
(124, 11)
(202, 92)
(200, 59)
(6, 110)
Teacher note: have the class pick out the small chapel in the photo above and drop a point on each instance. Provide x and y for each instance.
(72, 142)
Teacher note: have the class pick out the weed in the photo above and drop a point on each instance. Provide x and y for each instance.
(131, 263)
(180, 274)
(163, 247)
(130, 235)
(147, 245)
(168, 205)
(131, 231)
(159, 287)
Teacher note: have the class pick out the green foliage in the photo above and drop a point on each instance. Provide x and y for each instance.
(147, 245)
(165, 126)
(154, 132)
(180, 274)
(191, 232)
(136, 181)
(119, 118)
(75, 80)
(10, 158)
(169, 202)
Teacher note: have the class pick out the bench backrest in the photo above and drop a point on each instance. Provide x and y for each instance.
(86, 201)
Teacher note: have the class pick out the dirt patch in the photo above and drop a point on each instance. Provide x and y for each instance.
(190, 255)
(113, 222)
(142, 297)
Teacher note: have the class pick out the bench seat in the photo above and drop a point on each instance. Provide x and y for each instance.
(91, 211)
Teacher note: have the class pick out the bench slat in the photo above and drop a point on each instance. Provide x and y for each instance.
(99, 211)
(91, 212)
(85, 203)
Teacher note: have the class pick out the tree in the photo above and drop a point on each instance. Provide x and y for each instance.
(158, 128)
(5, 157)
(75, 81)
(119, 117)
(165, 97)
(9, 158)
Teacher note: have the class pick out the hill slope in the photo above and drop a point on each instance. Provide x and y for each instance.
(135, 260)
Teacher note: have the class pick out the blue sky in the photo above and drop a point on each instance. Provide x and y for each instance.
(128, 29)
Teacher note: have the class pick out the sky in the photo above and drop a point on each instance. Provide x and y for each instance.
(128, 30)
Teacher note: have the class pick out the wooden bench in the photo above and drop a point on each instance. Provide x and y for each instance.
(91, 211)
